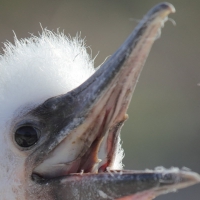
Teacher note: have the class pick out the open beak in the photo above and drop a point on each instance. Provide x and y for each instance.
(83, 128)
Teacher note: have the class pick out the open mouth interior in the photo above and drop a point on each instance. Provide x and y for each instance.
(95, 152)
(95, 160)
(94, 146)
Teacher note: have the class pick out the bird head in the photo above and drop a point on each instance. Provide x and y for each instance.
(61, 119)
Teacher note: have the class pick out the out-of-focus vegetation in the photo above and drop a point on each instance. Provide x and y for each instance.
(164, 116)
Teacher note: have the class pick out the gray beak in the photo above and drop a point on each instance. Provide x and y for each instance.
(124, 185)
(82, 129)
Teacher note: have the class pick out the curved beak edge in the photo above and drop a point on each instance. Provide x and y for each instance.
(123, 185)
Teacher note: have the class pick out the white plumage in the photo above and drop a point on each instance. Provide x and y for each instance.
(37, 68)
(33, 70)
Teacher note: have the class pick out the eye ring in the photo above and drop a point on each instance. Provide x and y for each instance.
(26, 136)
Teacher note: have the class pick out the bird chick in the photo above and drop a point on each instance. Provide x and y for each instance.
(60, 119)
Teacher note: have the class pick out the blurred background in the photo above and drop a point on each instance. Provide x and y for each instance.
(164, 118)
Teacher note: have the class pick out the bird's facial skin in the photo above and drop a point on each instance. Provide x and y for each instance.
(68, 146)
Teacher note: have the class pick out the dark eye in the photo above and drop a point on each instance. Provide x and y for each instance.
(26, 136)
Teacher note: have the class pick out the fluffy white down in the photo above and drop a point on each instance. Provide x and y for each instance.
(31, 71)
(34, 69)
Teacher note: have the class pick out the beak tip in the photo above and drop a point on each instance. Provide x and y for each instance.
(174, 180)
(167, 6)
(171, 7)
(190, 177)
(163, 9)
